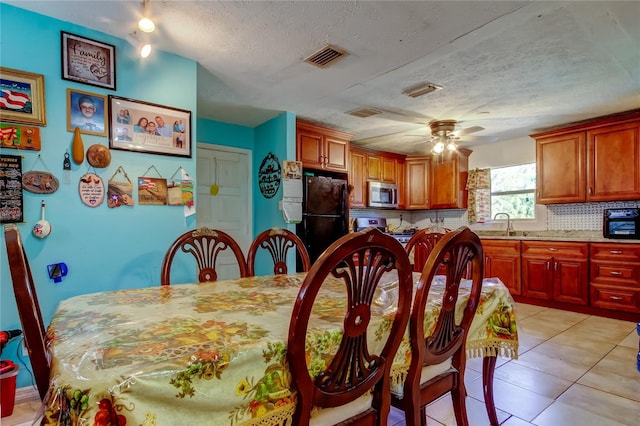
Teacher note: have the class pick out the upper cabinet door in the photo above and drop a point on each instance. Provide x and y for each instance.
(448, 180)
(560, 169)
(336, 154)
(613, 163)
(322, 148)
(309, 148)
(357, 181)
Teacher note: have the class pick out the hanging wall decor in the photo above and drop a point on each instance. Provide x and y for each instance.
(22, 97)
(19, 137)
(119, 192)
(269, 176)
(151, 190)
(11, 189)
(38, 181)
(88, 61)
(91, 189)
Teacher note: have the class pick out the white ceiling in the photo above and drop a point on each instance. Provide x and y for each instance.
(512, 67)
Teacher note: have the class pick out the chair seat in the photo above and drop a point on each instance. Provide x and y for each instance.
(428, 372)
(335, 415)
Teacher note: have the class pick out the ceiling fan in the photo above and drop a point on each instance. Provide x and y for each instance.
(444, 135)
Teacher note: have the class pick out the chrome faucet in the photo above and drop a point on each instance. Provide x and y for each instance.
(509, 228)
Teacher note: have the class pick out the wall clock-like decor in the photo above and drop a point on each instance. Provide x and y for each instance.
(269, 176)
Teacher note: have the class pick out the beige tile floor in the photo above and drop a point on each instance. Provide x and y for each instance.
(573, 369)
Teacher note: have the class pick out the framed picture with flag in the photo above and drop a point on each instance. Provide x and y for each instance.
(22, 97)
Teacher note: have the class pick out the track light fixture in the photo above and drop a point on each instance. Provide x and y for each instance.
(143, 49)
(145, 24)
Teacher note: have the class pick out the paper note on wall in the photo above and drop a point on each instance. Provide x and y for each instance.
(292, 181)
(292, 212)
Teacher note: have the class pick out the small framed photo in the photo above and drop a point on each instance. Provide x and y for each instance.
(22, 97)
(88, 61)
(146, 127)
(87, 111)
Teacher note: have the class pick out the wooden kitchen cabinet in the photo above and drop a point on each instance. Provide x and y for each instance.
(401, 178)
(560, 169)
(322, 148)
(417, 183)
(613, 162)
(381, 168)
(502, 260)
(555, 271)
(357, 181)
(448, 180)
(615, 276)
(594, 161)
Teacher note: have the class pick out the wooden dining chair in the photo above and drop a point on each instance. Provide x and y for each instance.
(33, 327)
(421, 244)
(355, 387)
(277, 241)
(205, 244)
(438, 356)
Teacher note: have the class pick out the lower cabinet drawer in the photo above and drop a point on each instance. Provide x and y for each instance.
(615, 297)
(626, 274)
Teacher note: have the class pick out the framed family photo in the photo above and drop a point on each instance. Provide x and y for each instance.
(22, 97)
(87, 111)
(146, 127)
(88, 61)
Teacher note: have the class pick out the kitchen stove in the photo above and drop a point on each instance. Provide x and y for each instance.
(381, 223)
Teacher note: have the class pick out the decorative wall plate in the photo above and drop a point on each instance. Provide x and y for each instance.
(91, 189)
(39, 182)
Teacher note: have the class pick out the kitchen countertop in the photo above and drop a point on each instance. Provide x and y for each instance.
(575, 236)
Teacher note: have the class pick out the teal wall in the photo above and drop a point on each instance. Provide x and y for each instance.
(277, 137)
(108, 249)
(219, 133)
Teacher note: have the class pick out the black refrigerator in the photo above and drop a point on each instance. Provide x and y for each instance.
(325, 212)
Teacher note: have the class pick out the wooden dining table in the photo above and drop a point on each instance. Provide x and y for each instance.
(215, 353)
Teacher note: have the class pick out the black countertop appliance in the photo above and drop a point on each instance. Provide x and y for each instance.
(325, 211)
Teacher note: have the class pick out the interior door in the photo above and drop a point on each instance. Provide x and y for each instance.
(231, 209)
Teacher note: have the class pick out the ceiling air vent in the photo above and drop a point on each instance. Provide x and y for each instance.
(421, 89)
(364, 112)
(326, 56)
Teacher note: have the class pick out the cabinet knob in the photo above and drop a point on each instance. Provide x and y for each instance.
(616, 273)
(615, 251)
(616, 298)
(553, 249)
(548, 265)
(590, 191)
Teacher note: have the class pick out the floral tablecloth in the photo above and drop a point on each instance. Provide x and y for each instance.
(214, 353)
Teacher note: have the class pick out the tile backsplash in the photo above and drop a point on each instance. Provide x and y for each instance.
(579, 216)
(583, 216)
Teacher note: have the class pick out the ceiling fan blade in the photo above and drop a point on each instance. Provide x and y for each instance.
(478, 138)
(468, 130)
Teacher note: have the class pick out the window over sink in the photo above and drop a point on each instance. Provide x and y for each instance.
(513, 191)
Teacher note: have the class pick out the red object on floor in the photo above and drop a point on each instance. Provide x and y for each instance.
(8, 373)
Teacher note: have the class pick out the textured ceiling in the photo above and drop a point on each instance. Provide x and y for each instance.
(511, 67)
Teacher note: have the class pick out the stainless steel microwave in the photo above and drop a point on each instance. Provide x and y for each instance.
(621, 223)
(382, 195)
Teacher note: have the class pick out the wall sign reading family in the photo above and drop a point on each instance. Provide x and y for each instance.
(88, 61)
(145, 127)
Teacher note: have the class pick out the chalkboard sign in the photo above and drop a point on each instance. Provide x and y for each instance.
(11, 189)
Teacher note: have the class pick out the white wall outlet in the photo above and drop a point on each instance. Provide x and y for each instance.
(25, 351)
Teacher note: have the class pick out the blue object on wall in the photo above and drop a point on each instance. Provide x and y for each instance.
(57, 271)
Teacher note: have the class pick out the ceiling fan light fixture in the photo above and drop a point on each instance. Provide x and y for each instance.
(421, 89)
(451, 146)
(438, 148)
